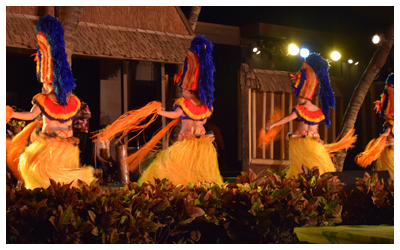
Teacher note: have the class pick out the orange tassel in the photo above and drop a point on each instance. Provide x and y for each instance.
(134, 159)
(263, 137)
(378, 106)
(15, 148)
(129, 122)
(346, 142)
(372, 152)
(9, 112)
(177, 77)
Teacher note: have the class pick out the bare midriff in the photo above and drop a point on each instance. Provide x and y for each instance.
(195, 126)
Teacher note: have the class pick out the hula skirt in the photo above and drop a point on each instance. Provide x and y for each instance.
(191, 160)
(50, 156)
(386, 160)
(308, 150)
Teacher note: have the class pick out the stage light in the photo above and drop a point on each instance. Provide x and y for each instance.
(356, 63)
(335, 55)
(350, 61)
(376, 39)
(255, 49)
(304, 52)
(258, 52)
(293, 49)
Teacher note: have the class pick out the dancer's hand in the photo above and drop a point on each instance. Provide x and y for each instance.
(387, 131)
(159, 109)
(269, 127)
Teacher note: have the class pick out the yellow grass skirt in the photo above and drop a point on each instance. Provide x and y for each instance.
(55, 158)
(190, 160)
(308, 150)
(386, 161)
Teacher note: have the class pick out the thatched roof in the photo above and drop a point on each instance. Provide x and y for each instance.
(279, 81)
(105, 40)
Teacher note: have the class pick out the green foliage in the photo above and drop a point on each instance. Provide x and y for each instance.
(256, 209)
(371, 204)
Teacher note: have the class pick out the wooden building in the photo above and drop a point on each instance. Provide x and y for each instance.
(123, 57)
(262, 91)
(260, 83)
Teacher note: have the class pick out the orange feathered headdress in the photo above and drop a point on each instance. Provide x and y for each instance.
(305, 82)
(191, 76)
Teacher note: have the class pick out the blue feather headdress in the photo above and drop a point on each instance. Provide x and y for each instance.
(325, 95)
(51, 58)
(198, 70)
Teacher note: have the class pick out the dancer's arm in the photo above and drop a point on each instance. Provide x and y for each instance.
(284, 120)
(387, 131)
(35, 111)
(170, 114)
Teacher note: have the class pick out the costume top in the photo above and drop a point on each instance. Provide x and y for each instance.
(313, 71)
(191, 111)
(55, 111)
(390, 124)
(81, 125)
(307, 116)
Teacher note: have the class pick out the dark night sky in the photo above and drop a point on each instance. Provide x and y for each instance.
(352, 26)
(362, 22)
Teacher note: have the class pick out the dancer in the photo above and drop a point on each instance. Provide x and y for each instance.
(193, 158)
(382, 148)
(15, 127)
(54, 154)
(305, 146)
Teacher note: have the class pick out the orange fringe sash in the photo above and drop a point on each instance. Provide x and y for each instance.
(14, 148)
(345, 143)
(129, 122)
(372, 151)
(133, 160)
(9, 112)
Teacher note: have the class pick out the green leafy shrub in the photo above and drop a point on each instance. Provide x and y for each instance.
(256, 209)
(372, 203)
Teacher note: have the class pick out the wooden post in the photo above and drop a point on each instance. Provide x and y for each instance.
(264, 114)
(124, 94)
(253, 125)
(333, 125)
(163, 101)
(122, 153)
(271, 111)
(249, 119)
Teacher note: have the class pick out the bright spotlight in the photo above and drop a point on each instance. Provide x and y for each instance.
(304, 52)
(350, 61)
(258, 52)
(335, 55)
(355, 63)
(376, 39)
(255, 49)
(293, 49)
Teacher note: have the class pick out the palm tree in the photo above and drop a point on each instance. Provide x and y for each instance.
(193, 16)
(69, 17)
(361, 90)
